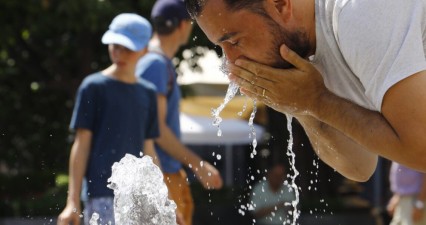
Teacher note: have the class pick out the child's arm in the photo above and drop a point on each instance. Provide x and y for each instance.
(77, 167)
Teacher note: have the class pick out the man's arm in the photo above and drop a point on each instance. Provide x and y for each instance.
(338, 151)
(397, 133)
(77, 167)
(205, 172)
(338, 127)
(149, 149)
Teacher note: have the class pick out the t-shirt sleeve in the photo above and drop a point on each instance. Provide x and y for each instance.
(382, 42)
(155, 71)
(84, 108)
(256, 197)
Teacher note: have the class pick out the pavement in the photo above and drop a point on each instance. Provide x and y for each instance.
(225, 215)
(207, 215)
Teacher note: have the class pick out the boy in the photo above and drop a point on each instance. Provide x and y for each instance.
(115, 113)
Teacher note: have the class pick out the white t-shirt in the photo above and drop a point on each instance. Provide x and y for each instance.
(364, 47)
(262, 196)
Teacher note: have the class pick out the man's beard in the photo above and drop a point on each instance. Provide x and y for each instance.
(296, 41)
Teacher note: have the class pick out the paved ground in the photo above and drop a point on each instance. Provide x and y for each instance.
(32, 221)
(229, 216)
(305, 219)
(338, 219)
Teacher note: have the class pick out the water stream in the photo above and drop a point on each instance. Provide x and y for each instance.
(296, 212)
(230, 94)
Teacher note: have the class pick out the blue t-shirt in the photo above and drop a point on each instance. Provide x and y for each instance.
(121, 116)
(160, 71)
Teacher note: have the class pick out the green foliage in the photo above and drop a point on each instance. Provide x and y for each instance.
(33, 194)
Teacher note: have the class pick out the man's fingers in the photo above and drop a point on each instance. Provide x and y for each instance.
(292, 57)
(257, 69)
(219, 182)
(240, 75)
(249, 93)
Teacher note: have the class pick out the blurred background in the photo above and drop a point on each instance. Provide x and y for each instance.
(46, 49)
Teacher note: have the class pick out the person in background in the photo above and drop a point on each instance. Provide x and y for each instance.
(271, 198)
(172, 28)
(115, 113)
(407, 204)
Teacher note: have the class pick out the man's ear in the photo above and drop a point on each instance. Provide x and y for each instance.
(182, 25)
(281, 7)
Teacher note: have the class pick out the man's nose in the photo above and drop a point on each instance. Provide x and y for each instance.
(231, 53)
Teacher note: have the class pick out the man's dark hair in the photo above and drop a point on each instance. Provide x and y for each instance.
(195, 7)
(164, 26)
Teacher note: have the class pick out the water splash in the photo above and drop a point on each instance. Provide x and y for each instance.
(94, 219)
(253, 130)
(294, 203)
(140, 194)
(230, 94)
(240, 113)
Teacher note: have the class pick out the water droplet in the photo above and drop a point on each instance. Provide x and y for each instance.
(218, 157)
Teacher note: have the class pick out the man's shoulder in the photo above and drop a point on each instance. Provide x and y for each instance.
(152, 62)
(153, 57)
(147, 84)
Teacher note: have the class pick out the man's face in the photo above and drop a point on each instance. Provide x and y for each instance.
(276, 176)
(244, 34)
(187, 29)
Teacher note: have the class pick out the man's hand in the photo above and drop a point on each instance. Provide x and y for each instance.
(291, 91)
(179, 218)
(70, 215)
(208, 175)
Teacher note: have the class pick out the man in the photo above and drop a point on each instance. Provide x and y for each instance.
(407, 205)
(272, 198)
(351, 72)
(172, 28)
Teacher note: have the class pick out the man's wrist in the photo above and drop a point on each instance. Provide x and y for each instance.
(419, 204)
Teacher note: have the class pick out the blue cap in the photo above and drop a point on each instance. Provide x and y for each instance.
(129, 30)
(170, 10)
